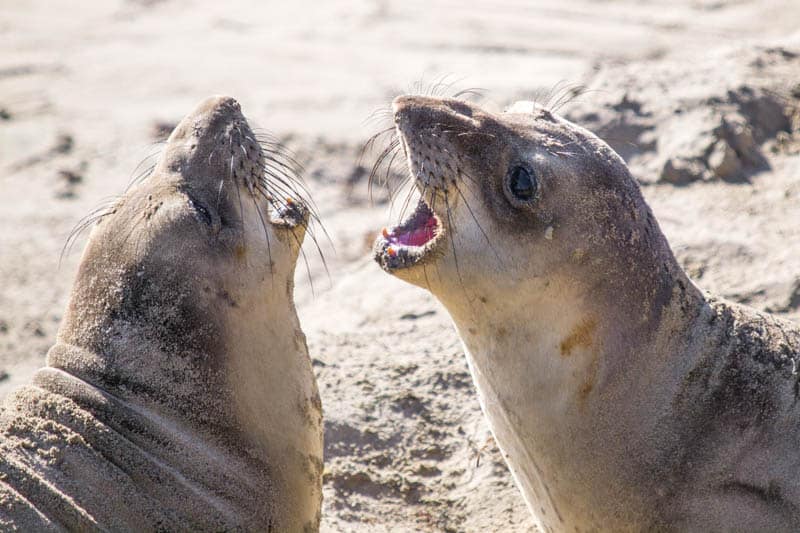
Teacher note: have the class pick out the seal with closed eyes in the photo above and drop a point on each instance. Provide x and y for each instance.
(622, 397)
(179, 394)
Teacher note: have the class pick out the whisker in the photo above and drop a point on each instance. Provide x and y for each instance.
(434, 196)
(287, 192)
(238, 194)
(570, 93)
(477, 92)
(472, 214)
(135, 178)
(278, 158)
(379, 114)
(281, 152)
(395, 193)
(389, 166)
(442, 86)
(266, 236)
(305, 261)
(407, 201)
(552, 92)
(372, 140)
(289, 178)
(283, 176)
(219, 192)
(453, 242)
(307, 225)
(395, 143)
(105, 208)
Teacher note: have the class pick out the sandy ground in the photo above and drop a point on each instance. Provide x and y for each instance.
(701, 97)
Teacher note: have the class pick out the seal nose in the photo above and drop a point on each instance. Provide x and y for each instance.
(214, 140)
(407, 106)
(219, 105)
(406, 101)
(207, 118)
(414, 109)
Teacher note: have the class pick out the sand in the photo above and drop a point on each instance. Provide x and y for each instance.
(700, 97)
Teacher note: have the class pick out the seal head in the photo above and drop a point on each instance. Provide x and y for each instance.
(180, 356)
(584, 337)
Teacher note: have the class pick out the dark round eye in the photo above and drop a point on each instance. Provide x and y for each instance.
(522, 183)
(201, 211)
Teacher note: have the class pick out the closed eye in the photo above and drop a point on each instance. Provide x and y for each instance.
(201, 211)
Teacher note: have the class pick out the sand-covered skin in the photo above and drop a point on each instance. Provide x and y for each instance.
(84, 96)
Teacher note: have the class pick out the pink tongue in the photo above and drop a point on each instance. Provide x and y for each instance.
(417, 236)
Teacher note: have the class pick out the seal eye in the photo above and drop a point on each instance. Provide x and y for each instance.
(522, 183)
(201, 211)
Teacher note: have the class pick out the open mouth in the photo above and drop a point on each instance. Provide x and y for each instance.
(409, 242)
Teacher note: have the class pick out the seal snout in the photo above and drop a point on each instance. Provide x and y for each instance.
(207, 118)
(428, 129)
(214, 153)
(220, 105)
(416, 109)
(215, 142)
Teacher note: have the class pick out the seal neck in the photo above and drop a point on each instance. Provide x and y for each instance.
(575, 331)
(572, 376)
(256, 400)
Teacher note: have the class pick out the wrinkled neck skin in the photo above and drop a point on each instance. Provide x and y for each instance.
(222, 360)
(567, 369)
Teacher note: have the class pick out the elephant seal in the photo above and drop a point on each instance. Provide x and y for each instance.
(179, 394)
(621, 396)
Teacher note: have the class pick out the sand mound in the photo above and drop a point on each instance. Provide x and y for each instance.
(713, 119)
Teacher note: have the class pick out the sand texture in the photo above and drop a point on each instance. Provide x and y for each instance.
(702, 98)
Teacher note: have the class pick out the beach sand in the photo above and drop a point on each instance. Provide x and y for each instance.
(702, 98)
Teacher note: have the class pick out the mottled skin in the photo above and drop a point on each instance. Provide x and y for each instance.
(622, 397)
(179, 394)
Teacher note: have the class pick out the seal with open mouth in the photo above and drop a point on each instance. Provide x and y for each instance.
(179, 394)
(622, 397)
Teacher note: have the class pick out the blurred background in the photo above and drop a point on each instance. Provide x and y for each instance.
(701, 97)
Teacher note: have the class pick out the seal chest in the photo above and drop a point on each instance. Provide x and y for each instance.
(179, 394)
(615, 389)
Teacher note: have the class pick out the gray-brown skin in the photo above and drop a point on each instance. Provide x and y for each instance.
(179, 394)
(622, 397)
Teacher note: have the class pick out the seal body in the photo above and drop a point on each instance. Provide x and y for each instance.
(179, 394)
(622, 397)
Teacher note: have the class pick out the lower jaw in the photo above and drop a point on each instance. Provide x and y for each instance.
(291, 215)
(392, 258)
(410, 244)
